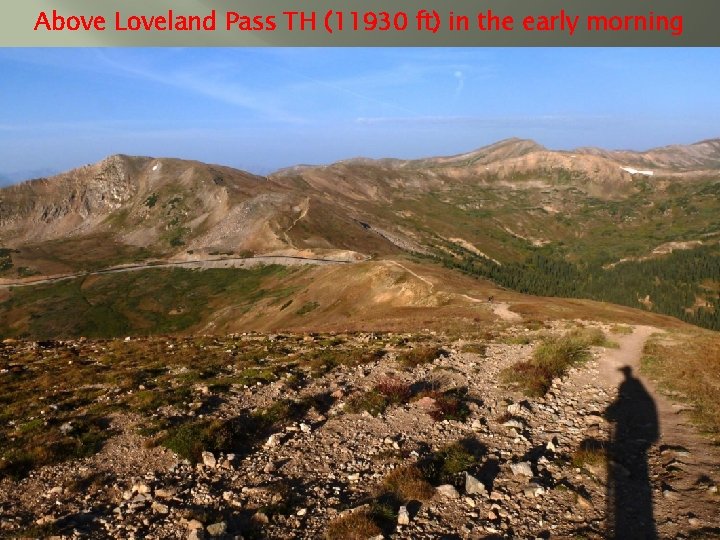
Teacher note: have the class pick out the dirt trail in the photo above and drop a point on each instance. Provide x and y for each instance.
(230, 262)
(676, 461)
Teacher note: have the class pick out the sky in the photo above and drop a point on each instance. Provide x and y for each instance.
(263, 109)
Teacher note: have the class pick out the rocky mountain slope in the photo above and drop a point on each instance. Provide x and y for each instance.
(573, 224)
(342, 436)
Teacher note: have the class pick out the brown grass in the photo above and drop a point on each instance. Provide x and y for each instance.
(395, 390)
(355, 526)
(688, 364)
(590, 452)
(407, 483)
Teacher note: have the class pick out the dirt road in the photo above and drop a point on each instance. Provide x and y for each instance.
(232, 262)
(659, 466)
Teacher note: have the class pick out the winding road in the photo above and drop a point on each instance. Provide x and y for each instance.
(232, 262)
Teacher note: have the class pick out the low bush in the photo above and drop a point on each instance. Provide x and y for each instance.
(420, 355)
(371, 401)
(357, 525)
(551, 359)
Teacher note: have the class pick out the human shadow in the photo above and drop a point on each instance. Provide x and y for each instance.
(635, 428)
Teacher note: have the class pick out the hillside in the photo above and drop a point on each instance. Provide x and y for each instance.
(568, 224)
(488, 345)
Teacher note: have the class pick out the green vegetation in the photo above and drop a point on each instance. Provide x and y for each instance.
(6, 262)
(420, 355)
(152, 301)
(551, 359)
(236, 435)
(151, 200)
(445, 465)
(307, 307)
(371, 401)
(57, 397)
(672, 284)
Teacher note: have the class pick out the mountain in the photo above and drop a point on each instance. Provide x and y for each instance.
(550, 223)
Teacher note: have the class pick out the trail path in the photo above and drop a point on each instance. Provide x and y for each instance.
(231, 262)
(679, 464)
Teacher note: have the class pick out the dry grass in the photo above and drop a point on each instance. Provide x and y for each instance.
(688, 364)
(407, 483)
(551, 359)
(591, 453)
(355, 526)
(394, 390)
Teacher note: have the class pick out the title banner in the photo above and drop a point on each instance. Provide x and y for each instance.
(359, 23)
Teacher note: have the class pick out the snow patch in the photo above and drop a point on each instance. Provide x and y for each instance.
(635, 171)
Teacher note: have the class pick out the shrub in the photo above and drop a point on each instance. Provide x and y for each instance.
(371, 401)
(450, 406)
(444, 466)
(590, 452)
(354, 526)
(420, 355)
(394, 390)
(407, 483)
(552, 358)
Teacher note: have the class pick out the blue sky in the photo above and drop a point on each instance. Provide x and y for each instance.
(261, 109)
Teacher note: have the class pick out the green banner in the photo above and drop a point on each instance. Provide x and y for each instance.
(359, 23)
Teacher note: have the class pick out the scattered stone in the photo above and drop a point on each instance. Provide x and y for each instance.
(448, 491)
(160, 508)
(217, 529)
(162, 493)
(209, 459)
(473, 486)
(534, 490)
(403, 516)
(521, 468)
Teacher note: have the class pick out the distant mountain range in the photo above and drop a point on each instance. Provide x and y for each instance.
(556, 223)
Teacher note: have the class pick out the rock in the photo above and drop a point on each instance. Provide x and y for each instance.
(273, 440)
(474, 486)
(491, 515)
(403, 516)
(217, 529)
(521, 468)
(426, 402)
(160, 508)
(469, 502)
(66, 428)
(209, 459)
(594, 420)
(165, 493)
(354, 477)
(583, 502)
(194, 524)
(301, 512)
(514, 409)
(305, 428)
(448, 491)
(534, 490)
(261, 518)
(515, 424)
